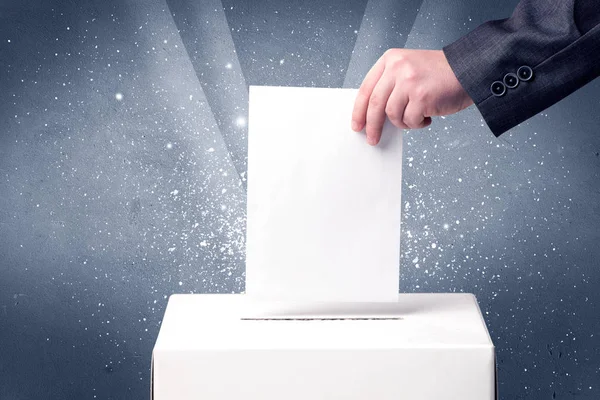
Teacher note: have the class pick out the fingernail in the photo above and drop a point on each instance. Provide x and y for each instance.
(371, 141)
(354, 125)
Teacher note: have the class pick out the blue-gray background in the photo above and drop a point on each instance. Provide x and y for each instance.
(123, 175)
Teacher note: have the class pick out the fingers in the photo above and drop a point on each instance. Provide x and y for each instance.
(399, 87)
(376, 108)
(359, 113)
(395, 107)
(414, 117)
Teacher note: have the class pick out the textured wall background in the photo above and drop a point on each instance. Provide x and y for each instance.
(122, 180)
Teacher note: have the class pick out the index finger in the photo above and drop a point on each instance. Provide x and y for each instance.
(359, 113)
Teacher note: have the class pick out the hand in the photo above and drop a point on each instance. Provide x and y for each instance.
(409, 86)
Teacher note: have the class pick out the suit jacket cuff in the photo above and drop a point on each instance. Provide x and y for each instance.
(561, 57)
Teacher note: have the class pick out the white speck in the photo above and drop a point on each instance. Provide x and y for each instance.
(68, 28)
(175, 192)
(171, 249)
(165, 41)
(457, 222)
(240, 121)
(169, 146)
(8, 40)
(415, 260)
(180, 283)
(223, 207)
(446, 226)
(229, 66)
(460, 179)
(223, 191)
(191, 97)
(203, 243)
(281, 61)
(433, 245)
(211, 150)
(119, 96)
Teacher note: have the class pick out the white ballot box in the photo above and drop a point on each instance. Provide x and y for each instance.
(227, 347)
(322, 319)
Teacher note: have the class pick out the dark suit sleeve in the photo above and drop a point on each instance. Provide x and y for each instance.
(559, 40)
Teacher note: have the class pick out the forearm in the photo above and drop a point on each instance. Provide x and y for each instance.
(558, 39)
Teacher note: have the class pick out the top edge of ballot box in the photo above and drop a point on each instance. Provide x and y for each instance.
(228, 346)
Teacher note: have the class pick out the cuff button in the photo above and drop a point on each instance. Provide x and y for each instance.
(525, 73)
(498, 89)
(511, 81)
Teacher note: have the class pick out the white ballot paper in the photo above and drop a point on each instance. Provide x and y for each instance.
(323, 206)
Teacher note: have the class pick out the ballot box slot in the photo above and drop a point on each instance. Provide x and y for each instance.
(325, 319)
